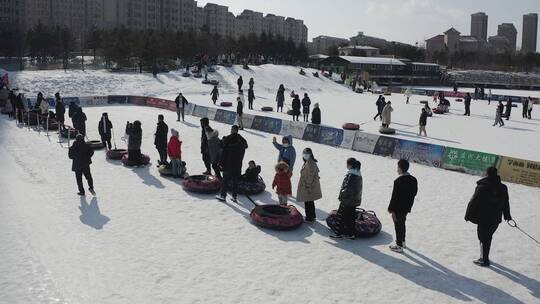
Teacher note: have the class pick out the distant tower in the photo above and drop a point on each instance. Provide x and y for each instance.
(530, 33)
(479, 25)
(508, 31)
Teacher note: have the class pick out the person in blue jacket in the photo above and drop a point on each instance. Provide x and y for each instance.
(287, 153)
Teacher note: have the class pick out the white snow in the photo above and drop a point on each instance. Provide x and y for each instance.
(144, 240)
(338, 104)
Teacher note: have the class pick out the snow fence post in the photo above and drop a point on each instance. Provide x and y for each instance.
(47, 126)
(28, 121)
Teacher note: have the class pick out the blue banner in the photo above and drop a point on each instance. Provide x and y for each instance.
(200, 111)
(330, 136)
(311, 133)
(421, 153)
(266, 124)
(385, 146)
(224, 116)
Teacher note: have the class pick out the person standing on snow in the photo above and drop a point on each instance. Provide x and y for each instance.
(73, 107)
(214, 150)
(43, 106)
(525, 105)
(467, 102)
(104, 128)
(215, 94)
(160, 140)
(134, 132)
(403, 194)
(240, 82)
(81, 154)
(181, 103)
(240, 111)
(287, 152)
(234, 148)
(408, 94)
(386, 115)
(280, 98)
(306, 103)
(423, 122)
(499, 114)
(489, 203)
(316, 114)
(350, 197)
(205, 123)
(19, 105)
(79, 121)
(296, 105)
(380, 106)
(508, 108)
(489, 96)
(174, 150)
(282, 182)
(251, 83)
(309, 186)
(529, 111)
(251, 98)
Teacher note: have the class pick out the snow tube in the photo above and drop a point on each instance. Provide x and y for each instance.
(267, 109)
(459, 100)
(197, 75)
(384, 130)
(96, 144)
(438, 111)
(68, 130)
(302, 73)
(316, 74)
(145, 160)
(276, 217)
(246, 67)
(202, 184)
(116, 154)
(166, 170)
(226, 104)
(250, 188)
(186, 74)
(366, 224)
(424, 102)
(351, 126)
(211, 82)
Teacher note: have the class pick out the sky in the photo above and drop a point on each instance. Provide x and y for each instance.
(407, 21)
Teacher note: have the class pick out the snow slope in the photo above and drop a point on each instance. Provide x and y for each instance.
(338, 104)
(144, 240)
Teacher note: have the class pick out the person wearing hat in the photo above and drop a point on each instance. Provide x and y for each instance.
(104, 127)
(160, 140)
(174, 149)
(181, 102)
(316, 114)
(81, 154)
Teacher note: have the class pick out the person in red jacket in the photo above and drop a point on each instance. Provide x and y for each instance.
(282, 182)
(174, 149)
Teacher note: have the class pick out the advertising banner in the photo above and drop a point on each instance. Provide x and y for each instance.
(99, 100)
(159, 103)
(137, 100)
(227, 117)
(68, 100)
(365, 142)
(467, 161)
(385, 146)
(247, 119)
(421, 153)
(330, 136)
(520, 171)
(200, 111)
(116, 99)
(311, 133)
(267, 124)
(293, 128)
(348, 139)
(211, 114)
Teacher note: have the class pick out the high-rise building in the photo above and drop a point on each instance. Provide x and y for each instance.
(321, 44)
(508, 31)
(530, 33)
(250, 22)
(479, 25)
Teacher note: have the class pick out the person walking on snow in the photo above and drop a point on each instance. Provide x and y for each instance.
(423, 122)
(403, 194)
(234, 148)
(386, 115)
(380, 106)
(499, 114)
(240, 111)
(282, 182)
(174, 150)
(181, 103)
(350, 197)
(214, 150)
(215, 94)
(240, 82)
(251, 98)
(408, 94)
(306, 103)
(489, 203)
(508, 108)
(104, 128)
(280, 98)
(467, 102)
(296, 105)
(81, 154)
(205, 123)
(316, 114)
(309, 187)
(160, 140)
(525, 107)
(287, 152)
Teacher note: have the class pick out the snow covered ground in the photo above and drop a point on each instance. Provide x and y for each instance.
(144, 240)
(338, 104)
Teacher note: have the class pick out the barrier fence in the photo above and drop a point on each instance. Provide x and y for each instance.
(494, 97)
(513, 170)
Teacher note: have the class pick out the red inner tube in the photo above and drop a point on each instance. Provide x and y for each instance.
(351, 126)
(366, 224)
(277, 217)
(226, 104)
(116, 154)
(144, 161)
(202, 184)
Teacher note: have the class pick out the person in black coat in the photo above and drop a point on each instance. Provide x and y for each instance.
(422, 122)
(488, 204)
(380, 103)
(403, 194)
(160, 140)
(181, 103)
(251, 83)
(232, 156)
(215, 94)
(508, 109)
(306, 103)
(79, 121)
(105, 130)
(252, 172)
(72, 110)
(134, 131)
(296, 105)
(316, 114)
(240, 82)
(467, 102)
(13, 100)
(81, 154)
(251, 98)
(280, 98)
(204, 146)
(350, 197)
(525, 107)
(60, 109)
(19, 106)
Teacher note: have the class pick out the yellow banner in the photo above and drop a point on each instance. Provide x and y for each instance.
(520, 171)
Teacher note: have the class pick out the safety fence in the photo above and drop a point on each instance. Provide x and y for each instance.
(519, 171)
(494, 97)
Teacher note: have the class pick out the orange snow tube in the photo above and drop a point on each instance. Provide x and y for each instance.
(351, 126)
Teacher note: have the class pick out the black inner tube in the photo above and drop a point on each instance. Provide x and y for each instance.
(275, 210)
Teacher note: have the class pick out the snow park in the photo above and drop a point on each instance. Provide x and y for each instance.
(242, 177)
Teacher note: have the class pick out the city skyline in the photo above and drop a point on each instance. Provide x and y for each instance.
(423, 18)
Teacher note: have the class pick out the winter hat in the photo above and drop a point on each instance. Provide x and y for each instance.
(174, 132)
(316, 105)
